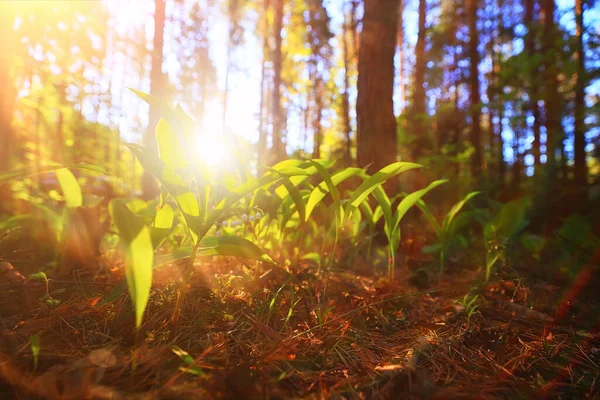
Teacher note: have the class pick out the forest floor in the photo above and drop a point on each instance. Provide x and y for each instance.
(266, 334)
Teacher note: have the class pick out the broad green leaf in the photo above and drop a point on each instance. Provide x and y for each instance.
(233, 246)
(21, 173)
(188, 361)
(329, 182)
(70, 188)
(427, 212)
(180, 123)
(410, 201)
(387, 172)
(38, 276)
(162, 225)
(178, 254)
(455, 210)
(314, 256)
(367, 212)
(170, 148)
(432, 248)
(34, 343)
(139, 255)
(175, 186)
(297, 197)
(385, 205)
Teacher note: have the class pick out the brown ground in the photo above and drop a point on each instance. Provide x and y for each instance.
(271, 337)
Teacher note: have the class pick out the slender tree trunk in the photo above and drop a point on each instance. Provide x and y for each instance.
(8, 97)
(419, 106)
(376, 135)
(580, 169)
(346, 94)
(551, 95)
(157, 88)
(278, 147)
(317, 131)
(231, 42)
(401, 84)
(530, 48)
(262, 125)
(475, 110)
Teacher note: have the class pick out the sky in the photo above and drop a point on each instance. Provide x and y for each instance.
(244, 80)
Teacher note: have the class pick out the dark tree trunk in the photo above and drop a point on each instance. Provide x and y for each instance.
(551, 95)
(475, 110)
(580, 169)
(262, 123)
(346, 94)
(419, 106)
(401, 85)
(530, 48)
(376, 135)
(157, 88)
(278, 147)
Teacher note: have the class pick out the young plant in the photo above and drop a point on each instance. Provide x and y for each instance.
(470, 305)
(448, 231)
(183, 178)
(391, 218)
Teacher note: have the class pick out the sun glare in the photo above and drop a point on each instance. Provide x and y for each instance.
(212, 148)
(213, 151)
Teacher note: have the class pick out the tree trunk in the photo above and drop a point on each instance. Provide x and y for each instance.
(278, 147)
(346, 94)
(8, 98)
(376, 135)
(580, 169)
(419, 106)
(157, 88)
(262, 125)
(401, 85)
(475, 110)
(530, 48)
(317, 131)
(551, 95)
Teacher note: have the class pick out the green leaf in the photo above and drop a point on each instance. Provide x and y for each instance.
(233, 246)
(70, 188)
(314, 256)
(139, 255)
(170, 148)
(387, 172)
(427, 212)
(38, 276)
(34, 342)
(21, 173)
(178, 254)
(410, 201)
(184, 198)
(455, 210)
(187, 360)
(162, 225)
(329, 185)
(180, 123)
(297, 197)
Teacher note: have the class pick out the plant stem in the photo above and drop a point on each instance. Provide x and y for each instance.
(183, 283)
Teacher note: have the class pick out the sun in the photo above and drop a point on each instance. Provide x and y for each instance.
(212, 150)
(212, 147)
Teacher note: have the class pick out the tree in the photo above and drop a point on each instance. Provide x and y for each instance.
(376, 133)
(347, 127)
(263, 116)
(530, 49)
(475, 110)
(157, 88)
(278, 147)
(419, 106)
(580, 84)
